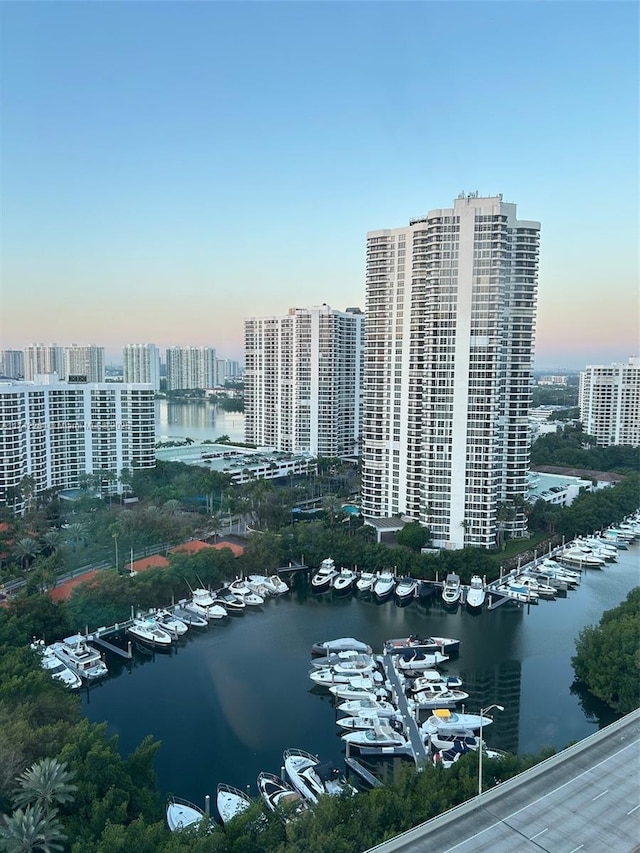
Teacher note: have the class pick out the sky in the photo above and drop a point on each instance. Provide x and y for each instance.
(170, 168)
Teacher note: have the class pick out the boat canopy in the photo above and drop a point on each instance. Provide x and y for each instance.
(442, 713)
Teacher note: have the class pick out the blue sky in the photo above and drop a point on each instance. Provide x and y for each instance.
(171, 168)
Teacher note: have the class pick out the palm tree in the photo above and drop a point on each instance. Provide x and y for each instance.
(47, 782)
(26, 549)
(31, 830)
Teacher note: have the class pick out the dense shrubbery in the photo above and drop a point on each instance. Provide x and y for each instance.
(573, 448)
(607, 660)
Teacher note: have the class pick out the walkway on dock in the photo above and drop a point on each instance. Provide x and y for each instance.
(418, 749)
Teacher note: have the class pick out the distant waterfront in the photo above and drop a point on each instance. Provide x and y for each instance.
(228, 701)
(196, 419)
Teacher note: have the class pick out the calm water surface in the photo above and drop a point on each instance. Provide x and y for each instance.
(229, 700)
(197, 419)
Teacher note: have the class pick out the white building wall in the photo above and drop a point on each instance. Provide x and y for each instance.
(141, 363)
(609, 401)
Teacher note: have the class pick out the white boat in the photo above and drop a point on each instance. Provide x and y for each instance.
(182, 814)
(446, 739)
(261, 586)
(323, 577)
(384, 586)
(361, 707)
(55, 667)
(414, 661)
(230, 802)
(447, 757)
(574, 556)
(543, 590)
(376, 736)
(229, 602)
(343, 582)
(214, 611)
(241, 588)
(432, 676)
(476, 594)
(365, 720)
(448, 645)
(189, 616)
(428, 699)
(148, 631)
(313, 778)
(366, 581)
(335, 658)
(518, 593)
(357, 691)
(278, 584)
(280, 797)
(80, 657)
(170, 622)
(328, 676)
(451, 589)
(342, 644)
(405, 590)
(443, 720)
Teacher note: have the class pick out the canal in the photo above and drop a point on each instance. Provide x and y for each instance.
(227, 701)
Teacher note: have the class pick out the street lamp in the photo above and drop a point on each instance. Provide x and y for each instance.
(483, 711)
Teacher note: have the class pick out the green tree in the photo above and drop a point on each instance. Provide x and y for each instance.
(31, 830)
(47, 782)
(413, 535)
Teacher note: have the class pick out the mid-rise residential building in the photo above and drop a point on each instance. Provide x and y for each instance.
(55, 433)
(40, 359)
(84, 363)
(450, 306)
(303, 380)
(226, 369)
(12, 366)
(141, 363)
(609, 400)
(191, 367)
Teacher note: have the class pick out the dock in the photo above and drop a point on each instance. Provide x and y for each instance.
(116, 650)
(362, 771)
(416, 748)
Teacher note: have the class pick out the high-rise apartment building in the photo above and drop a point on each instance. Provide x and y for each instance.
(226, 369)
(303, 380)
(57, 432)
(40, 359)
(84, 361)
(450, 305)
(191, 367)
(12, 364)
(609, 400)
(141, 363)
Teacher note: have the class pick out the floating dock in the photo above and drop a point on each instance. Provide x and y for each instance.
(416, 747)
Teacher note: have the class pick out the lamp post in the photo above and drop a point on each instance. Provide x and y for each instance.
(483, 711)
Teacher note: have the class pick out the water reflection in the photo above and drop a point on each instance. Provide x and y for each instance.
(197, 419)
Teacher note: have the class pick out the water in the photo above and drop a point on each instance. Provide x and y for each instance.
(197, 419)
(229, 700)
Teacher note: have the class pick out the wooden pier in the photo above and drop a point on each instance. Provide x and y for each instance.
(362, 771)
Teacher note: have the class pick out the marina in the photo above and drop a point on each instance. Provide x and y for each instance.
(511, 655)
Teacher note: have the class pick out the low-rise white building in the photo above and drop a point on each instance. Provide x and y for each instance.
(53, 433)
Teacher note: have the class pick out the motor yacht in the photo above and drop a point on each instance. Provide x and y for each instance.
(414, 661)
(230, 603)
(230, 802)
(446, 645)
(451, 591)
(361, 707)
(322, 578)
(384, 586)
(375, 737)
(241, 589)
(80, 657)
(182, 814)
(342, 644)
(148, 631)
(476, 594)
(443, 720)
(365, 582)
(313, 778)
(343, 582)
(184, 611)
(170, 622)
(405, 590)
(543, 590)
(328, 676)
(280, 797)
(55, 667)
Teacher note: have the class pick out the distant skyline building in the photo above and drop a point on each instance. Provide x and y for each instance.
(227, 369)
(40, 359)
(87, 361)
(609, 401)
(450, 306)
(190, 368)
(57, 432)
(12, 364)
(141, 363)
(303, 380)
